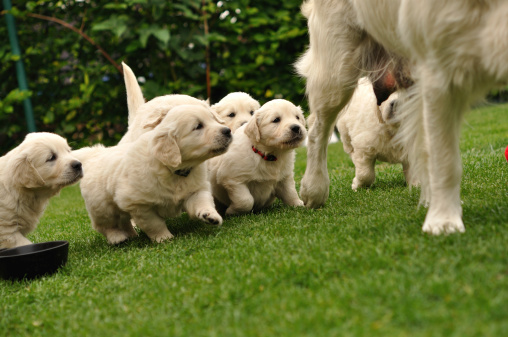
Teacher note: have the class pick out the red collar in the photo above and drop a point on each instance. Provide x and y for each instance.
(269, 157)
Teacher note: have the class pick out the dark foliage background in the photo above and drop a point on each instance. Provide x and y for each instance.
(77, 93)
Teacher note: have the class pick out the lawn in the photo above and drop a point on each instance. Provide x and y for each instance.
(360, 266)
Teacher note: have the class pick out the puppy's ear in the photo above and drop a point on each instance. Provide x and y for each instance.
(252, 129)
(153, 122)
(165, 149)
(217, 117)
(25, 173)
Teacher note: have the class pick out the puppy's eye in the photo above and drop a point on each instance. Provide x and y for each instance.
(297, 117)
(276, 120)
(52, 158)
(199, 126)
(252, 112)
(232, 115)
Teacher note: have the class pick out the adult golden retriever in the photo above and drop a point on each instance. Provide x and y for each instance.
(452, 52)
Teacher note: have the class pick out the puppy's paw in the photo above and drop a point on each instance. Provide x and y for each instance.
(117, 236)
(231, 211)
(162, 237)
(355, 184)
(297, 203)
(210, 217)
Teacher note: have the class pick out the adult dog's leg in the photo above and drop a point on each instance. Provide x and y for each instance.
(332, 65)
(325, 101)
(443, 109)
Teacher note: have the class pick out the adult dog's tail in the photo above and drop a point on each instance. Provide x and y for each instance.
(134, 95)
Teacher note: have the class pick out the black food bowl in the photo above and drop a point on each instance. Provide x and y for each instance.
(33, 260)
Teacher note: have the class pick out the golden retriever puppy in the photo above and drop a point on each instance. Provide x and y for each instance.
(236, 109)
(450, 53)
(143, 116)
(258, 166)
(367, 133)
(156, 176)
(30, 175)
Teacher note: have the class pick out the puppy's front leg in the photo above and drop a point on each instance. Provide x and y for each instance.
(152, 224)
(285, 190)
(13, 240)
(241, 199)
(201, 206)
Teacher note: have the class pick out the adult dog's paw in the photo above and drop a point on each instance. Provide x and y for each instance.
(314, 192)
(436, 226)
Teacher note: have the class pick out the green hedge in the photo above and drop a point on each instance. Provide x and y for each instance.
(77, 93)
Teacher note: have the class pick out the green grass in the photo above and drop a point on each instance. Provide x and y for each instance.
(360, 266)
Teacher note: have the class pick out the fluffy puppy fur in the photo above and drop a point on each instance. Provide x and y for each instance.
(30, 175)
(453, 51)
(367, 133)
(143, 116)
(158, 175)
(242, 179)
(236, 109)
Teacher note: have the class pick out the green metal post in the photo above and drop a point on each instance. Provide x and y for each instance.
(20, 69)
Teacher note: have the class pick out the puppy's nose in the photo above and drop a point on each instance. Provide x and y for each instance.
(226, 132)
(295, 128)
(76, 165)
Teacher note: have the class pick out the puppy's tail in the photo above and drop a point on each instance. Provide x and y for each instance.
(411, 137)
(86, 153)
(134, 95)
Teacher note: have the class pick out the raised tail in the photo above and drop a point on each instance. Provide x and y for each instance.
(86, 153)
(134, 95)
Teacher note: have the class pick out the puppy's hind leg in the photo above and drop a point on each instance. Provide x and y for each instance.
(242, 200)
(109, 220)
(365, 173)
(152, 224)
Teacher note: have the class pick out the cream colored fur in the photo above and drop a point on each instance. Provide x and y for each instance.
(367, 132)
(143, 116)
(456, 51)
(30, 175)
(236, 109)
(241, 179)
(144, 180)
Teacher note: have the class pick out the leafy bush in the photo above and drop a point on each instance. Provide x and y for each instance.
(77, 93)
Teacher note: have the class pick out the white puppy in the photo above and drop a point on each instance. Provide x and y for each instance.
(258, 166)
(367, 132)
(143, 116)
(30, 175)
(455, 51)
(158, 175)
(236, 109)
